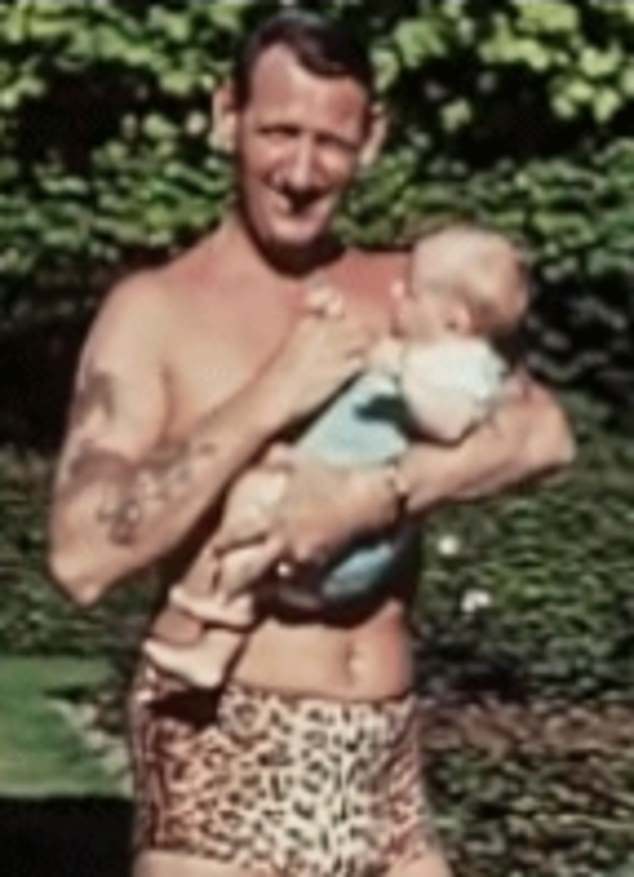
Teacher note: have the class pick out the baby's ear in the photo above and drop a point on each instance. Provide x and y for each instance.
(461, 320)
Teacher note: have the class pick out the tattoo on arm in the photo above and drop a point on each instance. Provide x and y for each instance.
(164, 478)
(130, 494)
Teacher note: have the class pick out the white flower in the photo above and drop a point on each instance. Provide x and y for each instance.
(474, 601)
(196, 123)
(448, 545)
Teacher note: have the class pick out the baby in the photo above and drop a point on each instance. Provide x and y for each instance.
(438, 375)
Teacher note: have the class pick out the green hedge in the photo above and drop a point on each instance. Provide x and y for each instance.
(515, 113)
(531, 594)
(538, 791)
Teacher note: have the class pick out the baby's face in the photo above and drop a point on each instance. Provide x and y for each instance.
(459, 288)
(420, 314)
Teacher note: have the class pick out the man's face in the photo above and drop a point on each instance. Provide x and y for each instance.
(298, 143)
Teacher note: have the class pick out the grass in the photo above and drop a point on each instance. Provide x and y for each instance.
(41, 754)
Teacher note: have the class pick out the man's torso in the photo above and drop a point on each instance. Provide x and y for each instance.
(226, 320)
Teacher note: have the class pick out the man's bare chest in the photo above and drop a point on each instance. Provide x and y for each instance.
(208, 360)
(213, 352)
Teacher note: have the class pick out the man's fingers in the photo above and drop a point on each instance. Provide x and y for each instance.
(192, 604)
(269, 553)
(323, 300)
(241, 535)
(244, 567)
(216, 609)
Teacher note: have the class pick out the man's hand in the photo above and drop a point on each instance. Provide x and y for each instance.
(527, 438)
(322, 509)
(326, 507)
(324, 350)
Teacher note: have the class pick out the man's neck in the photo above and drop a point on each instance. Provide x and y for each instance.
(292, 264)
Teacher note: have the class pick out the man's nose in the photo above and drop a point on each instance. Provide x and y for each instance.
(302, 168)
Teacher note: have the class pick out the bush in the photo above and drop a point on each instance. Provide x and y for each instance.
(533, 792)
(531, 594)
(516, 113)
(35, 618)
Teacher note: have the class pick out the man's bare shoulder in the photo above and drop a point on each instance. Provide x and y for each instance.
(137, 301)
(158, 293)
(192, 269)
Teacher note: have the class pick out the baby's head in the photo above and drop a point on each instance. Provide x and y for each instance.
(463, 281)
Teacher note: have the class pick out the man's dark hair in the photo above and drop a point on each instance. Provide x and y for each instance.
(319, 45)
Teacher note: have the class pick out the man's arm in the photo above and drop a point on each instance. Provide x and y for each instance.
(123, 493)
(327, 506)
(126, 494)
(529, 437)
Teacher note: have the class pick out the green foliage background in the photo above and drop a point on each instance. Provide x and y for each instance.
(518, 114)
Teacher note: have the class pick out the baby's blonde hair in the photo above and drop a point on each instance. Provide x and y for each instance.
(494, 251)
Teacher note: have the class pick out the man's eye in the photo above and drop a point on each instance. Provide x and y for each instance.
(337, 145)
(279, 132)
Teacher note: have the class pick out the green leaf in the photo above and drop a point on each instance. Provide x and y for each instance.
(456, 115)
(607, 102)
(597, 64)
(547, 16)
(626, 81)
(159, 127)
(418, 40)
(387, 66)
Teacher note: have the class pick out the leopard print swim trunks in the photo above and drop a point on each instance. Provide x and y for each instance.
(278, 784)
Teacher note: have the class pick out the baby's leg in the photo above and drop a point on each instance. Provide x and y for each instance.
(215, 595)
(223, 616)
(179, 643)
(205, 663)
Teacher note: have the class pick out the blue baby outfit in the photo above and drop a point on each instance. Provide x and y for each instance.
(365, 424)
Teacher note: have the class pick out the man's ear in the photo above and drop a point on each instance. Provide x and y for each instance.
(377, 128)
(224, 118)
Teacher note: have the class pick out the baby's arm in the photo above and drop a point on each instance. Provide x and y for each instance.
(215, 593)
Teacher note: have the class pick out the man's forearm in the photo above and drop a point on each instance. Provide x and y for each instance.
(112, 516)
(528, 438)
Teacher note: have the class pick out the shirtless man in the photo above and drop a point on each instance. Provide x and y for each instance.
(438, 375)
(299, 767)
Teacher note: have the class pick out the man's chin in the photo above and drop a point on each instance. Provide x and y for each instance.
(297, 234)
(289, 242)
(294, 245)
